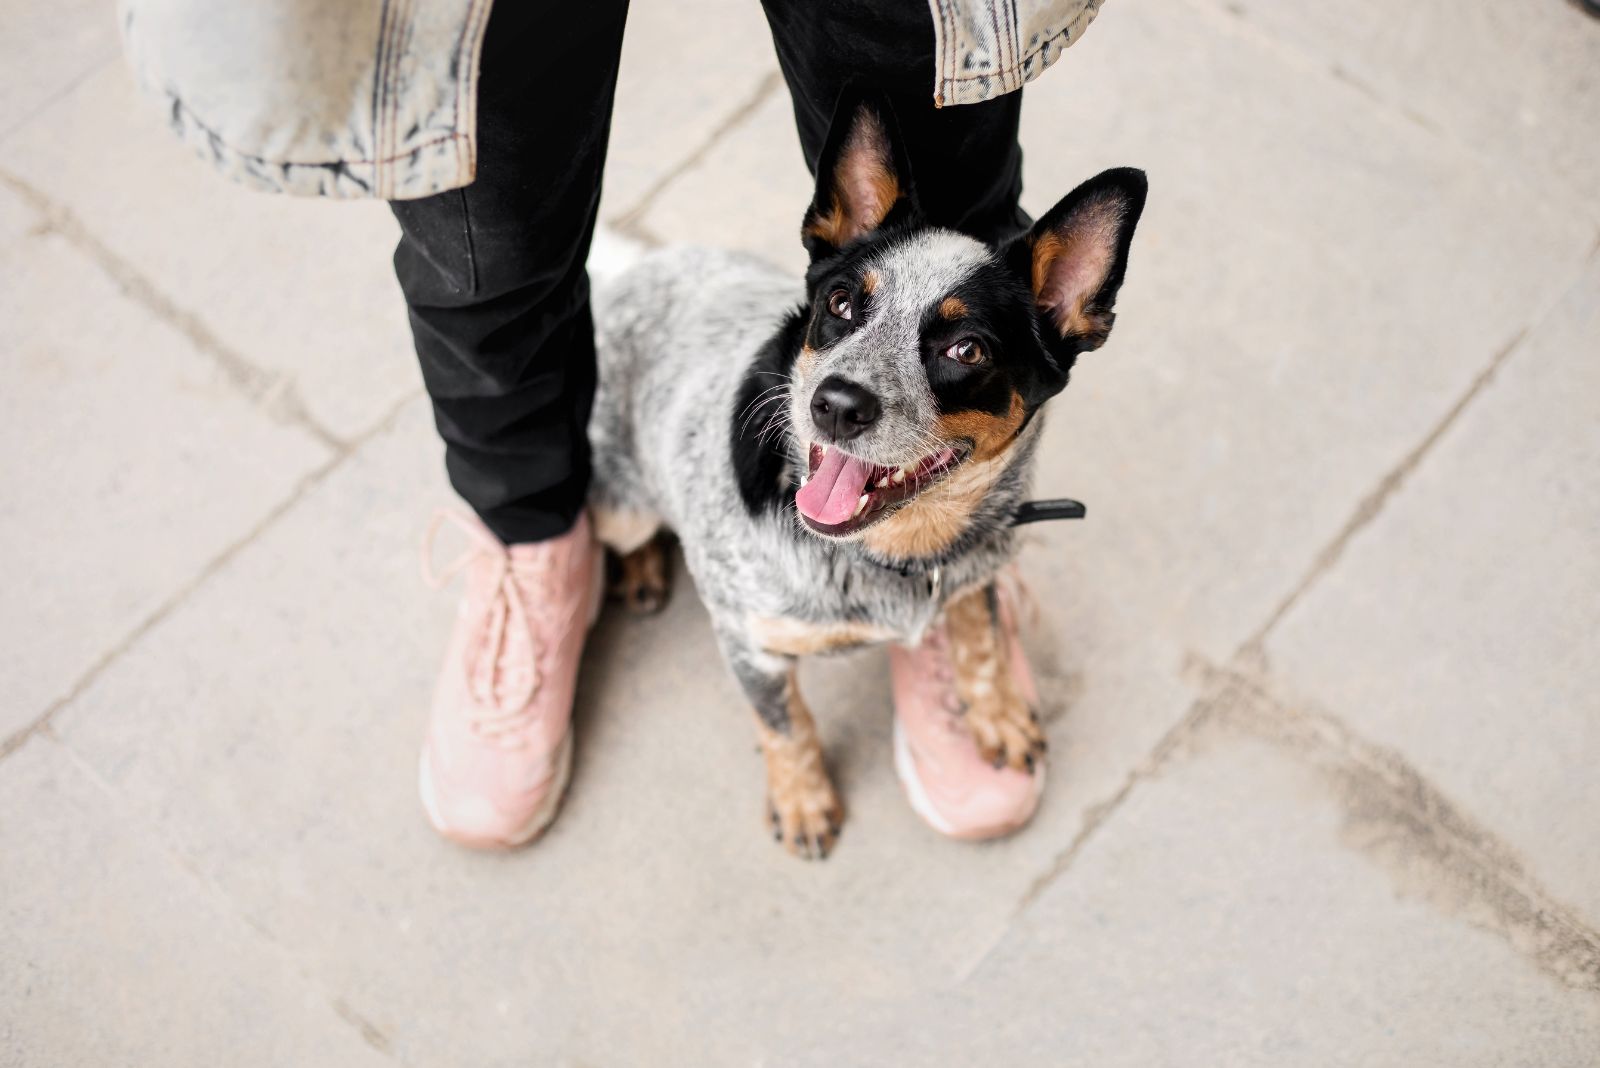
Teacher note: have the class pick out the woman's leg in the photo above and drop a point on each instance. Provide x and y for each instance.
(493, 274)
(494, 278)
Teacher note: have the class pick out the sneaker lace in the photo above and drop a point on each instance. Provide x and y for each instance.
(501, 681)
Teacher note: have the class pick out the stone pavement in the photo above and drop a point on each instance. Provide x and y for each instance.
(1321, 667)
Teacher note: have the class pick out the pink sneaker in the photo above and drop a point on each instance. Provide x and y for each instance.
(499, 749)
(947, 780)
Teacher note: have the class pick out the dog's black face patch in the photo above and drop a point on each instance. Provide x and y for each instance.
(760, 446)
(981, 347)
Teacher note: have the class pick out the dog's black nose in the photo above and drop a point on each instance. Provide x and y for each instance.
(843, 409)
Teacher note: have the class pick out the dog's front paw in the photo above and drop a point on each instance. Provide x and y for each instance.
(808, 825)
(1007, 732)
(802, 806)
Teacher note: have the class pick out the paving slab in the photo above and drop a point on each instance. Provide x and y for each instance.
(131, 462)
(686, 66)
(1314, 286)
(115, 952)
(1218, 918)
(1515, 83)
(46, 48)
(235, 259)
(1460, 626)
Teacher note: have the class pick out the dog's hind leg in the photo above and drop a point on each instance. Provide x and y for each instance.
(622, 529)
(802, 805)
(637, 565)
(639, 579)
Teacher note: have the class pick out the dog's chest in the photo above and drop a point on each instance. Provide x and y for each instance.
(842, 608)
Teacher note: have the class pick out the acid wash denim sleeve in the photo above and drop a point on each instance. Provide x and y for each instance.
(378, 98)
(984, 48)
(335, 98)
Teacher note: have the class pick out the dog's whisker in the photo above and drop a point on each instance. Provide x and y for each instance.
(775, 426)
(764, 396)
(744, 427)
(753, 409)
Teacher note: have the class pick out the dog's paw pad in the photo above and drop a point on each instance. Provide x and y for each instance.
(807, 820)
(1008, 735)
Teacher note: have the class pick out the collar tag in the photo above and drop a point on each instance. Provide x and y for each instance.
(1055, 508)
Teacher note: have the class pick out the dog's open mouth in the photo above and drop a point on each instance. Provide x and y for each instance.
(844, 493)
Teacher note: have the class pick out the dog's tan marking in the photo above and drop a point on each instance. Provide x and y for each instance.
(639, 579)
(623, 530)
(804, 361)
(829, 226)
(798, 637)
(928, 523)
(803, 807)
(990, 434)
(1006, 729)
(870, 281)
(865, 186)
(952, 308)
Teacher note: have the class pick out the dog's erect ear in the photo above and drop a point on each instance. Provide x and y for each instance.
(861, 176)
(1075, 256)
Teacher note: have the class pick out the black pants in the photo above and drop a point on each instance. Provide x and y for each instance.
(493, 274)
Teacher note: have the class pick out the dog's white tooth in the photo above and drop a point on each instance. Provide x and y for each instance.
(882, 482)
(861, 505)
(803, 480)
(899, 476)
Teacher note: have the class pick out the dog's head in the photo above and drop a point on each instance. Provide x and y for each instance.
(925, 353)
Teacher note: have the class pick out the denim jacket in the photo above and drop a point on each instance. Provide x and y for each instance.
(377, 98)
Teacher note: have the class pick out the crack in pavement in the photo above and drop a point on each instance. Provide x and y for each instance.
(631, 221)
(273, 391)
(1241, 23)
(307, 483)
(1430, 847)
(369, 1032)
(63, 91)
(1371, 505)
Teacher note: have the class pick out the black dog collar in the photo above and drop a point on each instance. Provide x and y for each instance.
(1055, 508)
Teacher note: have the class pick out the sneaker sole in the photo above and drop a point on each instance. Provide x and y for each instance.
(542, 816)
(905, 769)
(545, 814)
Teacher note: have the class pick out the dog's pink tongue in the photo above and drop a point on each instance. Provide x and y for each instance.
(831, 495)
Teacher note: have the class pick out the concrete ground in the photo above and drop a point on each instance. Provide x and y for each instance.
(1321, 667)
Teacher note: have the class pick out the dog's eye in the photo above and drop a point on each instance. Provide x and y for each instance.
(839, 304)
(965, 351)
